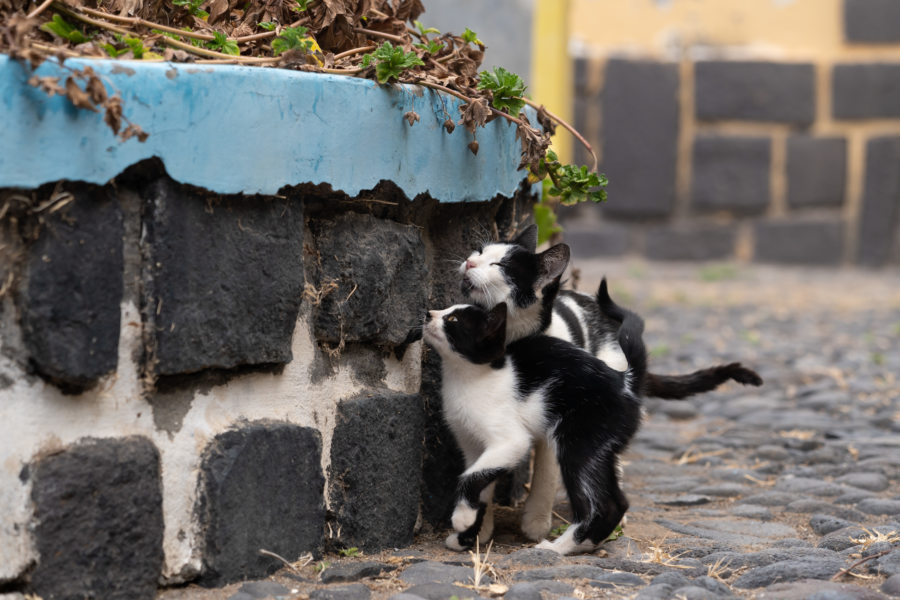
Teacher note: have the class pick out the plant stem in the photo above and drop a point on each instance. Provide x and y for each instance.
(354, 51)
(387, 36)
(568, 127)
(846, 571)
(143, 22)
(77, 15)
(499, 113)
(39, 9)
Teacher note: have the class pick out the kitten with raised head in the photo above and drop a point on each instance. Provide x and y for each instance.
(499, 397)
(528, 282)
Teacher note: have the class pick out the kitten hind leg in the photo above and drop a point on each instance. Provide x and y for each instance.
(536, 518)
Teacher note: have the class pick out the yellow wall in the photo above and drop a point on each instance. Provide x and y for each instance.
(759, 28)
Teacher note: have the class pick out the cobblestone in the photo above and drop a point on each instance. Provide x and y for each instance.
(749, 493)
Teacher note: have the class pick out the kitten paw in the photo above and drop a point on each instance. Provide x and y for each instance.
(547, 545)
(452, 542)
(536, 526)
(463, 517)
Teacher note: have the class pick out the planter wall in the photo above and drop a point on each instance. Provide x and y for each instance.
(202, 337)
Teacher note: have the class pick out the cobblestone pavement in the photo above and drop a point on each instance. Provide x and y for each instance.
(790, 491)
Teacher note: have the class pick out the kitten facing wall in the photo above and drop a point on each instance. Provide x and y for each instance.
(499, 397)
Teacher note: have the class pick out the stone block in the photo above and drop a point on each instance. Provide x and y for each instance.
(816, 171)
(694, 242)
(731, 173)
(71, 301)
(640, 137)
(755, 91)
(376, 466)
(370, 275)
(866, 91)
(800, 242)
(226, 278)
(871, 21)
(261, 488)
(98, 509)
(878, 219)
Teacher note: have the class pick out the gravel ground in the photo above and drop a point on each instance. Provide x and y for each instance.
(771, 492)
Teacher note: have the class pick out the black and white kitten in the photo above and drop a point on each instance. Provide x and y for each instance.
(498, 398)
(528, 283)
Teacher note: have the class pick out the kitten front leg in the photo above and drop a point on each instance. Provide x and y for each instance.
(537, 516)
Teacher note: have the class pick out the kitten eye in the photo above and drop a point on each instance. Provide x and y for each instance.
(451, 319)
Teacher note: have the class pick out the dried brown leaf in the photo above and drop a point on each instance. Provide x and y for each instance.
(134, 131)
(113, 115)
(449, 125)
(411, 117)
(78, 96)
(475, 114)
(473, 146)
(217, 8)
(547, 124)
(96, 89)
(48, 85)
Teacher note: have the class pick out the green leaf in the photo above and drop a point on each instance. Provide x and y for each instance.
(425, 31)
(136, 46)
(507, 88)
(349, 551)
(390, 62)
(545, 219)
(193, 7)
(222, 44)
(113, 51)
(301, 5)
(470, 37)
(60, 28)
(268, 25)
(291, 38)
(432, 47)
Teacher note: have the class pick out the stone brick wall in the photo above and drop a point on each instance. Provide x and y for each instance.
(187, 378)
(785, 161)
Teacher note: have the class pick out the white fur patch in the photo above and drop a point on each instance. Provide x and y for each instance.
(566, 544)
(452, 542)
(611, 353)
(464, 516)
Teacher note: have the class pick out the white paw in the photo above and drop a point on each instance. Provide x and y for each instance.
(452, 542)
(463, 517)
(547, 545)
(536, 526)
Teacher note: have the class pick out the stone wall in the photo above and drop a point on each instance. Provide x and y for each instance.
(748, 153)
(188, 377)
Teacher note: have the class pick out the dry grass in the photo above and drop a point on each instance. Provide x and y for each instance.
(660, 555)
(798, 434)
(875, 537)
(692, 455)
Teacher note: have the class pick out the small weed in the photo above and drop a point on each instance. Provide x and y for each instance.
(424, 31)
(292, 38)
(349, 552)
(507, 90)
(558, 531)
(61, 28)
(268, 25)
(222, 44)
(301, 6)
(431, 46)
(718, 272)
(470, 37)
(752, 336)
(480, 563)
(616, 534)
(878, 358)
(390, 62)
(322, 565)
(193, 7)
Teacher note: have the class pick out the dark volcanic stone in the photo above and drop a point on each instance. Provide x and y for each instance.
(640, 136)
(755, 91)
(530, 557)
(263, 589)
(440, 591)
(70, 304)
(379, 268)
(436, 572)
(808, 242)
(825, 524)
(790, 570)
(871, 21)
(875, 482)
(891, 586)
(731, 173)
(820, 590)
(613, 580)
(523, 591)
(881, 199)
(99, 532)
(879, 506)
(816, 169)
(866, 90)
(376, 465)
(226, 277)
(262, 488)
(357, 591)
(690, 243)
(887, 565)
(354, 571)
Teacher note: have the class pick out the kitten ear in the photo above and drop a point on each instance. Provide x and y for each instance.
(551, 264)
(527, 239)
(497, 316)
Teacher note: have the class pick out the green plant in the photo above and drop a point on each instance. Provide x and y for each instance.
(390, 62)
(301, 5)
(424, 31)
(506, 88)
(430, 46)
(616, 534)
(268, 25)
(659, 351)
(291, 38)
(222, 44)
(61, 28)
(718, 272)
(349, 551)
(558, 531)
(566, 185)
(193, 7)
(113, 51)
(322, 565)
(470, 37)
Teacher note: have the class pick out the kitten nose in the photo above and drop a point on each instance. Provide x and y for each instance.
(470, 264)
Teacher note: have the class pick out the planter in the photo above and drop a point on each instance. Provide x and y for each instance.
(202, 336)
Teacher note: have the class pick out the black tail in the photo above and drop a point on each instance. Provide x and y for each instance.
(631, 336)
(676, 387)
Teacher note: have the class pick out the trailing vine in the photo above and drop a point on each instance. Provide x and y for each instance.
(381, 40)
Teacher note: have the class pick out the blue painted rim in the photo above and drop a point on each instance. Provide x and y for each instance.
(253, 130)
